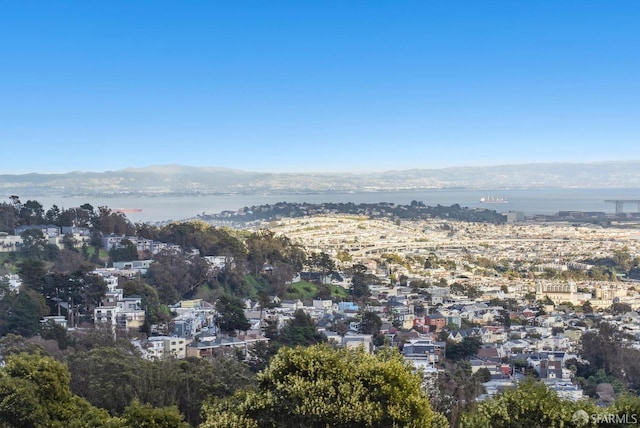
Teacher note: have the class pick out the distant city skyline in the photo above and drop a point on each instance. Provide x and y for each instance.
(317, 87)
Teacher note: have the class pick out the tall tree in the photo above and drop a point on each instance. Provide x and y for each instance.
(300, 330)
(53, 215)
(231, 316)
(370, 323)
(466, 348)
(8, 217)
(32, 273)
(266, 247)
(359, 286)
(34, 244)
(126, 252)
(322, 263)
(176, 276)
(123, 377)
(107, 222)
(31, 212)
(20, 313)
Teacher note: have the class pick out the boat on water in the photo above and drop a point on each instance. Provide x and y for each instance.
(128, 210)
(493, 200)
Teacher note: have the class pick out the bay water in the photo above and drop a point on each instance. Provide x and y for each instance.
(530, 201)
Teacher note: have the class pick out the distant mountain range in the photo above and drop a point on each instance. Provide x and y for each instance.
(178, 179)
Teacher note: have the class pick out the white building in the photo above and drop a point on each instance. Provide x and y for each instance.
(126, 314)
(159, 347)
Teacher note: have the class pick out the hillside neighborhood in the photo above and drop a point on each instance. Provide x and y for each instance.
(518, 296)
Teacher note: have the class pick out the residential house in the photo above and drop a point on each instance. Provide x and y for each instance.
(424, 353)
(347, 306)
(207, 348)
(352, 340)
(57, 320)
(324, 305)
(292, 304)
(126, 314)
(436, 322)
(48, 230)
(406, 321)
(160, 347)
(9, 243)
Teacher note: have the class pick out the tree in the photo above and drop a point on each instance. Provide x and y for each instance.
(53, 331)
(281, 275)
(123, 377)
(344, 256)
(530, 405)
(319, 387)
(147, 416)
(322, 262)
(32, 273)
(300, 330)
(53, 215)
(34, 245)
(359, 287)
(69, 261)
(107, 222)
(156, 312)
(370, 323)
(31, 212)
(34, 392)
(468, 347)
(260, 353)
(102, 366)
(208, 240)
(455, 390)
(265, 246)
(176, 276)
(324, 292)
(20, 313)
(620, 308)
(8, 217)
(126, 252)
(483, 374)
(231, 316)
(608, 349)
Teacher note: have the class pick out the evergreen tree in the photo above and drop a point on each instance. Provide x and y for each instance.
(231, 316)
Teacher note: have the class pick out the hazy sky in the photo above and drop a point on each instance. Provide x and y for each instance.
(316, 85)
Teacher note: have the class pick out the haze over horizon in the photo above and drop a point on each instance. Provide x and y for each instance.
(170, 168)
(327, 87)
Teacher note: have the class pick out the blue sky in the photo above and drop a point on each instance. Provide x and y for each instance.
(317, 86)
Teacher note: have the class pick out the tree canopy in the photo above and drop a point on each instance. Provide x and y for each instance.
(319, 387)
(34, 392)
(532, 405)
(231, 316)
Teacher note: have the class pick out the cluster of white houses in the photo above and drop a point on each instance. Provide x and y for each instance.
(52, 233)
(56, 234)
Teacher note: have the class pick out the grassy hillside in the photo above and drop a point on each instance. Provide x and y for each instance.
(307, 290)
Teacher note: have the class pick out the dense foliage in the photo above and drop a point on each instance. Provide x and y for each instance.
(610, 351)
(318, 387)
(532, 405)
(124, 377)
